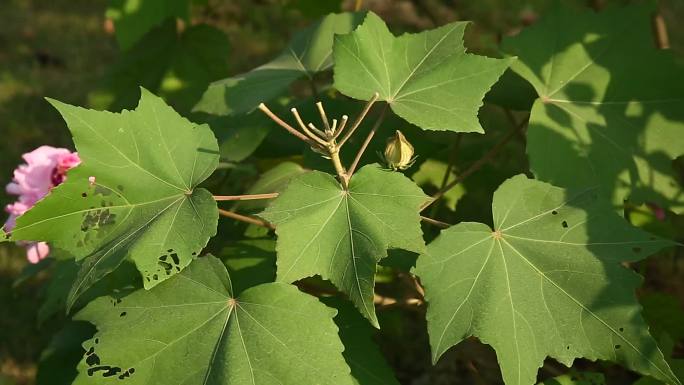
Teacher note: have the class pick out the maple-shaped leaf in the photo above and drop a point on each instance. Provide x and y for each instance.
(547, 281)
(427, 78)
(309, 53)
(192, 329)
(342, 234)
(134, 195)
(609, 113)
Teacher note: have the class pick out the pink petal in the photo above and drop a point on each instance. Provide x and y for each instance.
(44, 169)
(37, 251)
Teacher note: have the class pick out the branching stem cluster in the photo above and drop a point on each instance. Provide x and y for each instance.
(328, 139)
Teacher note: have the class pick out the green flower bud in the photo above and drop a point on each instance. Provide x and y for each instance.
(399, 152)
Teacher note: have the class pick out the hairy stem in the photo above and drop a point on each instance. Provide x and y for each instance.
(248, 197)
(247, 219)
(367, 141)
(478, 163)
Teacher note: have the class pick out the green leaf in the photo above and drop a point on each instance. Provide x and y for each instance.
(427, 78)
(134, 18)
(547, 281)
(368, 366)
(664, 314)
(431, 173)
(191, 329)
(309, 53)
(177, 65)
(250, 263)
(65, 272)
(608, 112)
(273, 180)
(315, 8)
(240, 136)
(667, 345)
(57, 365)
(144, 203)
(582, 378)
(341, 235)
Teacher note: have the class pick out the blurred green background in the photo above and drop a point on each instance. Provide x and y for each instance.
(67, 50)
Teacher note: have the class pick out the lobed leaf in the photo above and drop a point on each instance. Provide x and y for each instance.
(427, 78)
(546, 282)
(309, 52)
(134, 196)
(177, 65)
(608, 112)
(192, 329)
(342, 234)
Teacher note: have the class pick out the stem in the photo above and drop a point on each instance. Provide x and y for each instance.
(248, 197)
(324, 117)
(478, 164)
(660, 31)
(317, 131)
(372, 132)
(450, 166)
(284, 125)
(358, 5)
(339, 168)
(244, 218)
(340, 127)
(435, 222)
(359, 119)
(304, 128)
(384, 301)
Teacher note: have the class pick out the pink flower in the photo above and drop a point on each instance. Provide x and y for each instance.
(45, 168)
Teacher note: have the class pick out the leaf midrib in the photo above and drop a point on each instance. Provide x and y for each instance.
(581, 305)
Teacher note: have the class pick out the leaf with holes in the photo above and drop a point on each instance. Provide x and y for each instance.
(547, 281)
(608, 112)
(427, 78)
(309, 53)
(341, 235)
(192, 329)
(134, 196)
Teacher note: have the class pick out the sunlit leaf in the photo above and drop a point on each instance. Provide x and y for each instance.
(341, 235)
(134, 196)
(427, 78)
(609, 113)
(547, 281)
(309, 52)
(193, 329)
(177, 65)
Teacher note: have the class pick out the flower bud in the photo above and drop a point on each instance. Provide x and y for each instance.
(399, 152)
